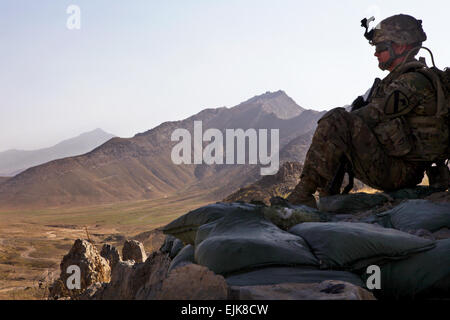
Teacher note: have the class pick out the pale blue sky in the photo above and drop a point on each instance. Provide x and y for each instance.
(137, 63)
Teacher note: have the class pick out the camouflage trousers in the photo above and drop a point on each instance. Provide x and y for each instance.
(342, 133)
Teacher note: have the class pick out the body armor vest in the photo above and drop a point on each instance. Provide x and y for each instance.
(417, 132)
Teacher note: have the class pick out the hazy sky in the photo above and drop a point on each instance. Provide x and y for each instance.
(137, 63)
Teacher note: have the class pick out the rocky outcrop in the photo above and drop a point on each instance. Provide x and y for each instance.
(134, 250)
(111, 254)
(93, 268)
(130, 281)
(270, 186)
(326, 290)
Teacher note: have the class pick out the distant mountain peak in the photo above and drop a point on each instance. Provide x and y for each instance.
(278, 103)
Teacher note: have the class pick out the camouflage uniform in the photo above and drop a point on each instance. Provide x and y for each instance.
(385, 141)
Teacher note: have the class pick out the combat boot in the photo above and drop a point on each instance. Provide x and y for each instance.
(303, 194)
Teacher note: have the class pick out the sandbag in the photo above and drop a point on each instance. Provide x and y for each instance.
(167, 244)
(184, 257)
(243, 240)
(185, 227)
(276, 275)
(426, 273)
(417, 192)
(415, 215)
(351, 203)
(204, 231)
(176, 247)
(354, 246)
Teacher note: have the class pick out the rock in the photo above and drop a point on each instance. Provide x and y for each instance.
(193, 282)
(111, 254)
(326, 290)
(94, 268)
(133, 250)
(91, 291)
(152, 274)
(140, 281)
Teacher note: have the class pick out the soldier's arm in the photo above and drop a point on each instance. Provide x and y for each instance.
(406, 93)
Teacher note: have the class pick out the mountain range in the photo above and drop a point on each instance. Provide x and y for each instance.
(137, 168)
(13, 162)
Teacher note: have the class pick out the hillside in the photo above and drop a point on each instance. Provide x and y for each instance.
(280, 184)
(141, 167)
(13, 162)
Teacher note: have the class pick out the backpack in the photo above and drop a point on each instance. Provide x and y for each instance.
(441, 82)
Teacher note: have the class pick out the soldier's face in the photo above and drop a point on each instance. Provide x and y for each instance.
(383, 57)
(382, 52)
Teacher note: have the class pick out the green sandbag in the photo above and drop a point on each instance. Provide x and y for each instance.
(417, 214)
(185, 227)
(351, 203)
(184, 257)
(354, 246)
(426, 272)
(245, 240)
(287, 217)
(276, 275)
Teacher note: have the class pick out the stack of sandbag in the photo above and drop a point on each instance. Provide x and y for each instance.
(426, 274)
(354, 246)
(185, 227)
(249, 249)
(415, 215)
(240, 242)
(244, 240)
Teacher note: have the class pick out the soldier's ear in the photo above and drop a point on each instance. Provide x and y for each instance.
(400, 48)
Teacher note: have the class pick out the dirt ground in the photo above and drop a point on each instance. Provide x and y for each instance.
(33, 242)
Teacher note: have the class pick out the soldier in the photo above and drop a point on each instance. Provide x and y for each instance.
(393, 136)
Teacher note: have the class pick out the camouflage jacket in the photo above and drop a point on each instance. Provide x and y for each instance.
(402, 113)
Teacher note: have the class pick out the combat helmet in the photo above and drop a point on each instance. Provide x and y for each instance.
(400, 29)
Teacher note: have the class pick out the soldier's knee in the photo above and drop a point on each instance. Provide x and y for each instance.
(334, 113)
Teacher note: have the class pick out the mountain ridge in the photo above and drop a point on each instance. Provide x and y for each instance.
(138, 168)
(14, 161)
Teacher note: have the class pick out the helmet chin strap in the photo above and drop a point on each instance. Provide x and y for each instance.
(392, 57)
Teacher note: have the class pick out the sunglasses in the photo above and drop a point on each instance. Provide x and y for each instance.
(382, 46)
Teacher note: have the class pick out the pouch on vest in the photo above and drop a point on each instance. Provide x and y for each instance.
(394, 135)
(430, 135)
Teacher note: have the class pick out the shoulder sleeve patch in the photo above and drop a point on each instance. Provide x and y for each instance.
(396, 103)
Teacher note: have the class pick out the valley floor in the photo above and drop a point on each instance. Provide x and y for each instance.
(33, 242)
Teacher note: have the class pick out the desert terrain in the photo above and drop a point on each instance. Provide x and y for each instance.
(33, 242)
